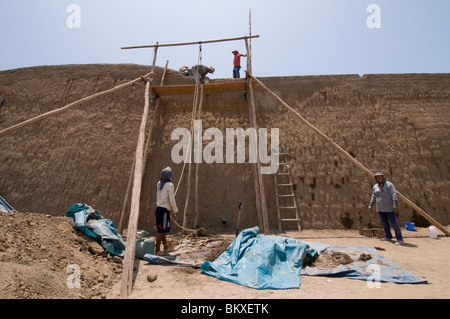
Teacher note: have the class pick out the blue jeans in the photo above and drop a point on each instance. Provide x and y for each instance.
(387, 218)
(236, 70)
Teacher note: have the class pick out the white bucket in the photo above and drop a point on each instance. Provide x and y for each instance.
(432, 232)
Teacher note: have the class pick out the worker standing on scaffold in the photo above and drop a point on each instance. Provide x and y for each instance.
(237, 63)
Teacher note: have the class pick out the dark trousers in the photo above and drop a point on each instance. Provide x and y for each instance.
(387, 218)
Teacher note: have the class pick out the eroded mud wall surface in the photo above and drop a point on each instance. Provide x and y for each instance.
(398, 124)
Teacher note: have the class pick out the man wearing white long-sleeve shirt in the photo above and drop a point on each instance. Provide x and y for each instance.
(165, 204)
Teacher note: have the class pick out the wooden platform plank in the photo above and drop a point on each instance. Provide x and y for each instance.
(208, 88)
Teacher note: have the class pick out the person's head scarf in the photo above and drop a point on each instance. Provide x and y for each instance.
(165, 176)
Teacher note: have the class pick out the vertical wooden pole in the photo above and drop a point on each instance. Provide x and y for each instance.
(259, 177)
(261, 207)
(127, 272)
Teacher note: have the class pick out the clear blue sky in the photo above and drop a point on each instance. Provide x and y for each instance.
(297, 37)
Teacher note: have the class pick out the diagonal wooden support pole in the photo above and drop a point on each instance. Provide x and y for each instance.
(352, 159)
(41, 117)
(127, 272)
(130, 180)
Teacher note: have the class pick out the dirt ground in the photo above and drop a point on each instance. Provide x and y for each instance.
(39, 256)
(421, 255)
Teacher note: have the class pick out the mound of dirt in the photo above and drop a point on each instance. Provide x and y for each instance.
(44, 257)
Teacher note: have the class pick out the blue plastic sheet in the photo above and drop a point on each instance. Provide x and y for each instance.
(5, 206)
(92, 223)
(275, 262)
(262, 261)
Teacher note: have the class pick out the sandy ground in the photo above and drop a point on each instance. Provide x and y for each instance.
(421, 255)
(37, 250)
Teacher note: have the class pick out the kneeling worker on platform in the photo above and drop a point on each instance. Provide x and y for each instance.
(200, 71)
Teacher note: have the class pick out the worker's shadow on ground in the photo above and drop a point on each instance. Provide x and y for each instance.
(409, 245)
(135, 270)
(403, 245)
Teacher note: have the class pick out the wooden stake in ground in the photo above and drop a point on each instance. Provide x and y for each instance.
(352, 159)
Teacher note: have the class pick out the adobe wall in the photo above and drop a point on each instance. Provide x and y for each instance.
(397, 124)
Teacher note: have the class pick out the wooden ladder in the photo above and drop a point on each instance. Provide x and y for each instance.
(284, 192)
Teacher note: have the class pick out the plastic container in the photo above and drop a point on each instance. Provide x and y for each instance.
(144, 246)
(409, 226)
(432, 232)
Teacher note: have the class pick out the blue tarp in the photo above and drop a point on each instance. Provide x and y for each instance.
(92, 223)
(262, 261)
(275, 262)
(5, 207)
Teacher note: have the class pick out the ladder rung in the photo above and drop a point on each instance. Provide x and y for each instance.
(285, 172)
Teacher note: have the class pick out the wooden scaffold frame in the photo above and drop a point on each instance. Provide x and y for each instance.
(127, 275)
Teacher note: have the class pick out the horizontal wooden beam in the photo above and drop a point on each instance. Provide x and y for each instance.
(208, 88)
(188, 43)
